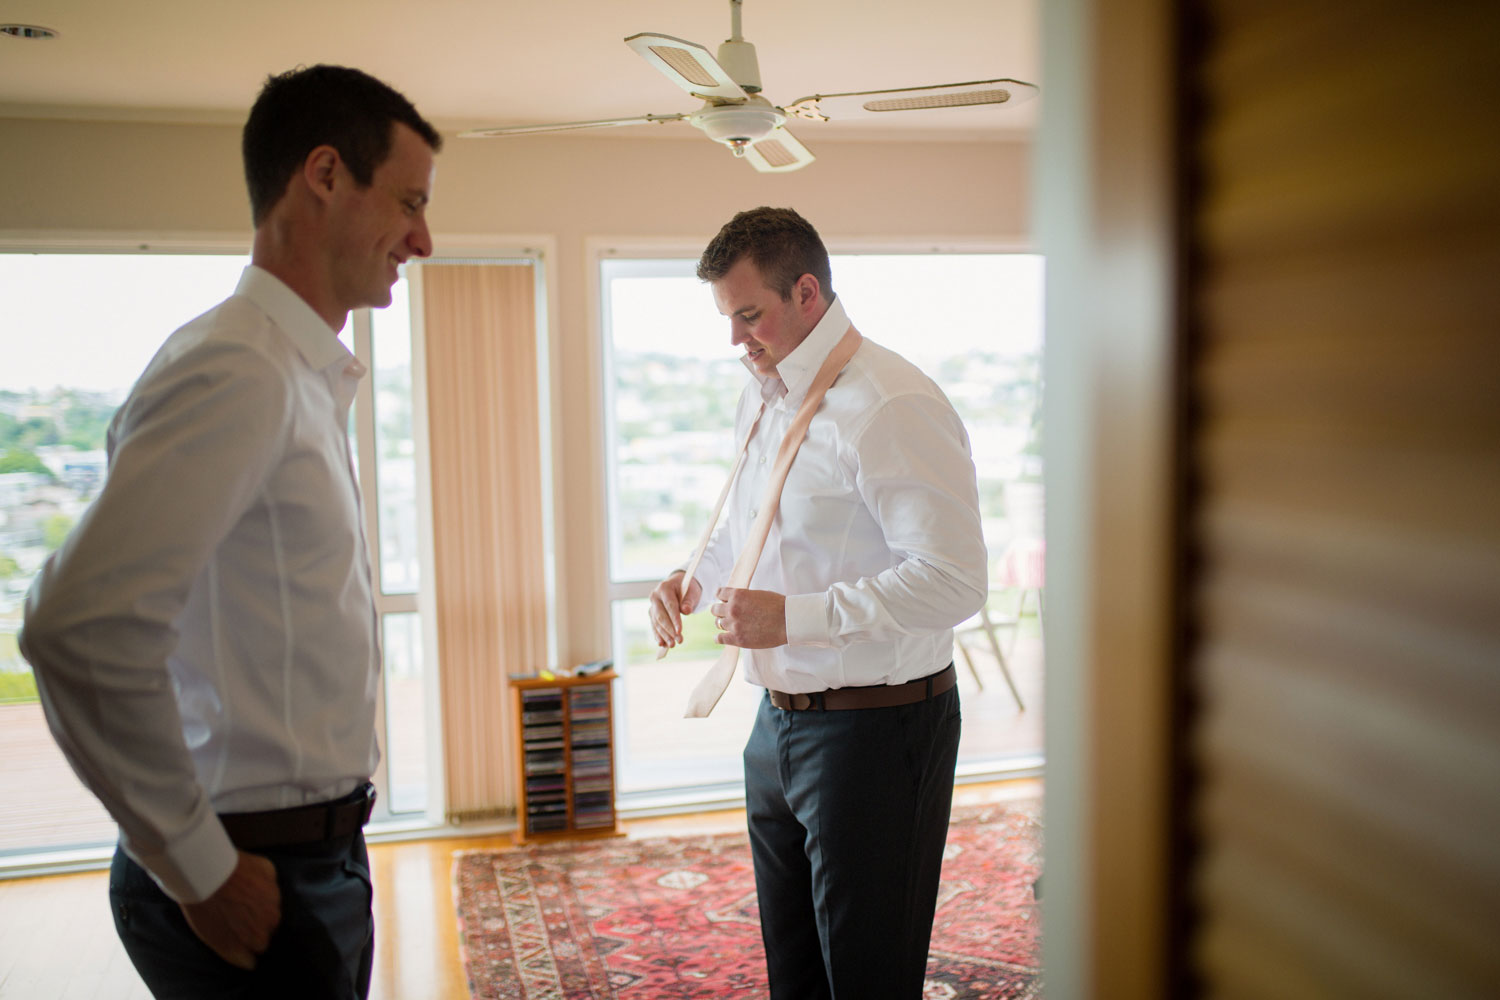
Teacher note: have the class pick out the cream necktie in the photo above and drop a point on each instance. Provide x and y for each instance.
(708, 691)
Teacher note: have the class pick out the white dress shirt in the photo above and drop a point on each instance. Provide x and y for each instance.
(877, 544)
(205, 639)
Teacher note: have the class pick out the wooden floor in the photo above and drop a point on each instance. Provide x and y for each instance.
(57, 941)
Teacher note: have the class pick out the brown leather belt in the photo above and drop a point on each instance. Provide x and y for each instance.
(877, 696)
(311, 824)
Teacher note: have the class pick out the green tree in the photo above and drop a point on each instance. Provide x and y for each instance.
(37, 432)
(10, 430)
(55, 530)
(85, 422)
(20, 460)
(9, 568)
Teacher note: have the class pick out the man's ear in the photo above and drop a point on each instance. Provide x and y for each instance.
(319, 170)
(807, 291)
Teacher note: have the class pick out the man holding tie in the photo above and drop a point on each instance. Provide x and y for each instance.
(872, 553)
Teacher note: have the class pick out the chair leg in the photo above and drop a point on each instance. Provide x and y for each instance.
(964, 651)
(989, 630)
(1021, 613)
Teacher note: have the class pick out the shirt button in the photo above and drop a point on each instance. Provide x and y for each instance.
(762, 460)
(753, 513)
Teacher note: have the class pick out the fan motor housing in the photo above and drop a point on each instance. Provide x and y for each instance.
(738, 60)
(739, 124)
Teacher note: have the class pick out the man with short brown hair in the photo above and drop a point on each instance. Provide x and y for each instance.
(205, 641)
(873, 554)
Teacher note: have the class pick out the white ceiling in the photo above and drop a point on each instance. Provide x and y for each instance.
(499, 62)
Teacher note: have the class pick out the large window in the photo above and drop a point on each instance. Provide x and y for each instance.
(970, 321)
(78, 329)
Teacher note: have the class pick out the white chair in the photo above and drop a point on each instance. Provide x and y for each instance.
(1023, 564)
(1021, 567)
(987, 625)
(1024, 568)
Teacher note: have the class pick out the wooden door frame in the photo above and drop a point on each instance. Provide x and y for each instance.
(1107, 196)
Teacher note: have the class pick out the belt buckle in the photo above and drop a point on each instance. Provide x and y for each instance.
(791, 702)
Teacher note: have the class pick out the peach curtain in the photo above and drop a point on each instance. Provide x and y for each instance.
(487, 517)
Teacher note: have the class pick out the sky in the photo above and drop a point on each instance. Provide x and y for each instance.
(92, 321)
(921, 306)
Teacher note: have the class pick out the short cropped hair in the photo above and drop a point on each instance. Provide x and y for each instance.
(302, 109)
(782, 244)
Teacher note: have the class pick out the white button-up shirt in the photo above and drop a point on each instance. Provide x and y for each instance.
(205, 639)
(877, 542)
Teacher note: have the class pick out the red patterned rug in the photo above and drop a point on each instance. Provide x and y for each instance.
(675, 918)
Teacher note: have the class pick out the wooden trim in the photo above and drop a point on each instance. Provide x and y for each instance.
(1107, 191)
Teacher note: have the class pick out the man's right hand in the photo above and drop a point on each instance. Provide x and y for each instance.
(668, 605)
(238, 919)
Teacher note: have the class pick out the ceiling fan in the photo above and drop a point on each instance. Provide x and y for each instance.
(734, 112)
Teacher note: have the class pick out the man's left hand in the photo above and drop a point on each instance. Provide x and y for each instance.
(750, 619)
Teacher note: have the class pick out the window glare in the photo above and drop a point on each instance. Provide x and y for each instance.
(395, 446)
(74, 306)
(928, 307)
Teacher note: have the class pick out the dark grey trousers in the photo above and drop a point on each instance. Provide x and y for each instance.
(848, 817)
(323, 947)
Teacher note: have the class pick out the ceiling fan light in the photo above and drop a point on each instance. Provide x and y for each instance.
(962, 99)
(737, 124)
(683, 62)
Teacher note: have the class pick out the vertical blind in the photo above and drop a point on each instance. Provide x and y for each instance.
(487, 517)
(1344, 376)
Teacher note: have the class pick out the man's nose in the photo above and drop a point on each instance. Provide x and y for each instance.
(420, 238)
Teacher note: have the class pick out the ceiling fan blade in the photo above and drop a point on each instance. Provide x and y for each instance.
(689, 65)
(778, 153)
(485, 133)
(977, 93)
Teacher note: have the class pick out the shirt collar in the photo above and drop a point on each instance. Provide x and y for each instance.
(317, 344)
(798, 369)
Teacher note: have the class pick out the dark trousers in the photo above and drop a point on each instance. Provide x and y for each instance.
(848, 817)
(323, 947)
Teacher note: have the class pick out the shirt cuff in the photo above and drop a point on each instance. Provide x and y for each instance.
(195, 866)
(807, 620)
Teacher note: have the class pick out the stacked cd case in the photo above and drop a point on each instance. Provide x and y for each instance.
(567, 755)
(544, 748)
(592, 757)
